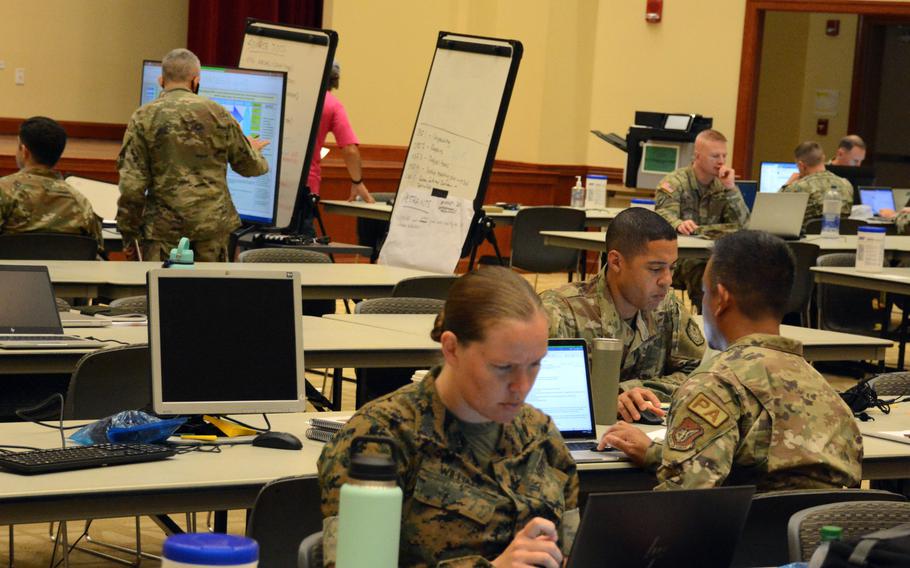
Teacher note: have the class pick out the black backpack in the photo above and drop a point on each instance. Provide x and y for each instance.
(881, 549)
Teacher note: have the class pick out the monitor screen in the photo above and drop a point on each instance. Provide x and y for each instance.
(877, 198)
(256, 99)
(225, 342)
(659, 158)
(774, 175)
(562, 389)
(27, 300)
(748, 188)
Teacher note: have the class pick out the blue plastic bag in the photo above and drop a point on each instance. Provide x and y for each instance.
(127, 426)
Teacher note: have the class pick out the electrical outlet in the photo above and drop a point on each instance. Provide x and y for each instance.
(20, 76)
(2, 65)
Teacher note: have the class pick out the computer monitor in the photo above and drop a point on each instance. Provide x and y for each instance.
(774, 175)
(877, 198)
(748, 188)
(225, 342)
(659, 158)
(256, 99)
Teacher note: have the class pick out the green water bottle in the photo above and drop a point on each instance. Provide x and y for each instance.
(369, 510)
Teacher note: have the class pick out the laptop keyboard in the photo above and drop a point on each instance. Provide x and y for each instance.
(79, 457)
(581, 446)
(57, 337)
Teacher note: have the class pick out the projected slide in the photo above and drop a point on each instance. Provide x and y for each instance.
(255, 99)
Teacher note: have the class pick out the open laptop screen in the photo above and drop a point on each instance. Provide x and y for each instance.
(562, 390)
(27, 301)
(877, 198)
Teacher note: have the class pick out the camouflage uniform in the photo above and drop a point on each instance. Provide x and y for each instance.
(902, 221)
(817, 185)
(456, 513)
(758, 414)
(663, 347)
(177, 148)
(715, 209)
(38, 199)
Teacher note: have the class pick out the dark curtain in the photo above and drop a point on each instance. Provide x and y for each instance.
(215, 30)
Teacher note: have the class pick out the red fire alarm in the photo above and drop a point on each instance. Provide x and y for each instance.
(821, 127)
(832, 28)
(653, 11)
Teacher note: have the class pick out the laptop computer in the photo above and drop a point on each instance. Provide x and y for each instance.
(780, 214)
(655, 529)
(28, 312)
(563, 391)
(877, 198)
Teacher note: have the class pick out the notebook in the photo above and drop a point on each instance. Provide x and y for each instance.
(563, 391)
(28, 312)
(656, 529)
(780, 214)
(877, 198)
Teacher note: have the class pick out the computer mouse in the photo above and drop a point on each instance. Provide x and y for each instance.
(278, 441)
(649, 417)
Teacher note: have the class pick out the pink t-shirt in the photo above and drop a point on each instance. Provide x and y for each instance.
(334, 119)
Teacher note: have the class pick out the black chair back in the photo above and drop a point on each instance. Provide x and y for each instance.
(108, 381)
(286, 511)
(803, 281)
(528, 251)
(47, 246)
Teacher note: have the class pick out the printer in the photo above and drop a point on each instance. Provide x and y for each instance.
(657, 144)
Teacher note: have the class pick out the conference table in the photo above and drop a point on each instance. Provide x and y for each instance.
(383, 212)
(892, 280)
(896, 247)
(818, 344)
(93, 279)
(231, 479)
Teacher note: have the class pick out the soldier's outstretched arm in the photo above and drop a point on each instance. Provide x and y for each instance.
(245, 159)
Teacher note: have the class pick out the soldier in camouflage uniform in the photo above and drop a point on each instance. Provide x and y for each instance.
(701, 199)
(173, 168)
(631, 300)
(815, 180)
(36, 198)
(484, 476)
(756, 414)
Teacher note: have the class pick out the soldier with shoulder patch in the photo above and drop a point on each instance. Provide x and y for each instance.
(173, 168)
(814, 179)
(37, 198)
(701, 199)
(487, 479)
(758, 413)
(631, 300)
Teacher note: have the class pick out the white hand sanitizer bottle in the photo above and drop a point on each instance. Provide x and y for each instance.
(578, 194)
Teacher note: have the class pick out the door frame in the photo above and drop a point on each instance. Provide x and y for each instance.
(750, 59)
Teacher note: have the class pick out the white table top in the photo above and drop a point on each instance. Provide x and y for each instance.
(341, 280)
(383, 211)
(326, 343)
(896, 280)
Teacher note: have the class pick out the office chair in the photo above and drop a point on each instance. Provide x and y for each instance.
(286, 511)
(764, 538)
(48, 246)
(317, 308)
(856, 519)
(528, 251)
(806, 255)
(375, 382)
(137, 304)
(891, 384)
(310, 553)
(424, 287)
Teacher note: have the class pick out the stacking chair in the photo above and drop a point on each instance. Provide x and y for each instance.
(800, 295)
(48, 246)
(856, 519)
(372, 232)
(764, 538)
(528, 251)
(286, 511)
(137, 304)
(424, 287)
(310, 553)
(372, 383)
(316, 308)
(892, 384)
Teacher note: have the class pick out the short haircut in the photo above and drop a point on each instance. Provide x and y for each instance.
(710, 135)
(851, 140)
(757, 268)
(483, 298)
(334, 76)
(44, 138)
(632, 230)
(809, 153)
(179, 66)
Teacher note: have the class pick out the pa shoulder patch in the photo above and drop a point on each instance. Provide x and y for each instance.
(694, 333)
(682, 437)
(707, 409)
